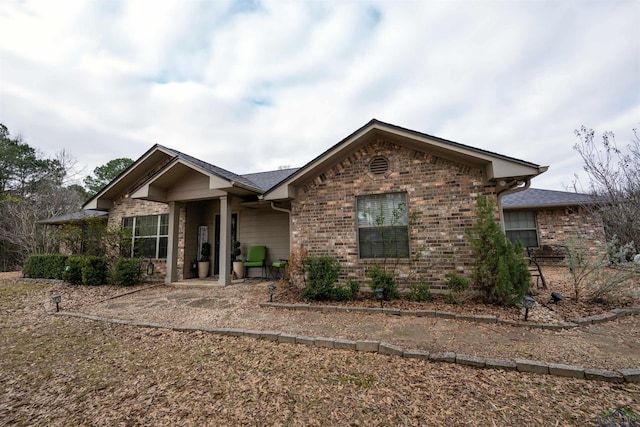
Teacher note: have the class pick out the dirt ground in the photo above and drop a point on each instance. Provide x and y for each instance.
(57, 370)
(611, 345)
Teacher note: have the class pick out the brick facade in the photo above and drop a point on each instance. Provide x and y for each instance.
(126, 207)
(556, 226)
(442, 195)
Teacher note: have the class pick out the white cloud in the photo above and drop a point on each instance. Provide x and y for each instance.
(253, 85)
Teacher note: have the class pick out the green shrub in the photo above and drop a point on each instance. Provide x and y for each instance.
(323, 272)
(500, 270)
(48, 266)
(457, 285)
(73, 270)
(381, 279)
(419, 292)
(85, 270)
(126, 272)
(94, 270)
(354, 287)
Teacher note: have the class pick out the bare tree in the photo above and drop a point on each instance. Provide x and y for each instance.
(31, 189)
(614, 183)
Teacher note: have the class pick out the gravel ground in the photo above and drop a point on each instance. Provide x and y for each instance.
(60, 370)
(610, 345)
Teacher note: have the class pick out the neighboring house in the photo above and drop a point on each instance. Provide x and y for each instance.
(545, 220)
(383, 190)
(84, 222)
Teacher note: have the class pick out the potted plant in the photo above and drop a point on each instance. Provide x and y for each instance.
(203, 263)
(238, 265)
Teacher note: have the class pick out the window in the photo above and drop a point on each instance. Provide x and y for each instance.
(383, 226)
(521, 225)
(149, 236)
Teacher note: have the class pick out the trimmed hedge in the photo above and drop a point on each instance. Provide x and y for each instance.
(73, 270)
(126, 272)
(48, 266)
(77, 269)
(94, 270)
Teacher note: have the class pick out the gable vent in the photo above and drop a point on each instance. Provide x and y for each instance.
(378, 165)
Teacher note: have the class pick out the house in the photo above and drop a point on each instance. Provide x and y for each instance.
(382, 194)
(545, 220)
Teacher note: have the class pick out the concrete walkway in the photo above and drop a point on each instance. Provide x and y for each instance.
(606, 351)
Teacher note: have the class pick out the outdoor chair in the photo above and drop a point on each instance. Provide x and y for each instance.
(276, 266)
(256, 257)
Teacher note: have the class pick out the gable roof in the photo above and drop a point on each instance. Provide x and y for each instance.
(495, 166)
(213, 169)
(537, 198)
(266, 180)
(155, 174)
(135, 180)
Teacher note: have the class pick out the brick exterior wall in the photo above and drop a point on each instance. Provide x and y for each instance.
(441, 193)
(556, 226)
(127, 207)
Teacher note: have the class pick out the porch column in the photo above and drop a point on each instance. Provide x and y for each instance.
(172, 244)
(225, 241)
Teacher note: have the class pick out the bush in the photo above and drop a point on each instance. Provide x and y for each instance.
(381, 279)
(323, 272)
(457, 285)
(49, 266)
(73, 270)
(126, 272)
(94, 270)
(600, 275)
(419, 292)
(500, 272)
(354, 287)
(85, 270)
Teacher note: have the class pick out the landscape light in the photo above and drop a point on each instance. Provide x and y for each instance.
(57, 298)
(272, 290)
(556, 297)
(528, 305)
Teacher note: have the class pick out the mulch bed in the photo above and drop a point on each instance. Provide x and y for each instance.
(558, 280)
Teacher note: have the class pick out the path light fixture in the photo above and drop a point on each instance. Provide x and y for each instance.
(528, 305)
(272, 290)
(150, 268)
(380, 295)
(57, 298)
(556, 297)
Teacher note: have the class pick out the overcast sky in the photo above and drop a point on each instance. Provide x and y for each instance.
(253, 85)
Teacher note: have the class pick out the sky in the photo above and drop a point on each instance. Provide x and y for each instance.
(252, 86)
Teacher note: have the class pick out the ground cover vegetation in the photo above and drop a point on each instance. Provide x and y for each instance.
(66, 371)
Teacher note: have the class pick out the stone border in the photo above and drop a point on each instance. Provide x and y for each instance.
(387, 349)
(575, 323)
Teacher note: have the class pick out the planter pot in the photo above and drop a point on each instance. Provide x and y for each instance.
(238, 268)
(203, 269)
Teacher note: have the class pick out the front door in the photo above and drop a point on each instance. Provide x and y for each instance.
(234, 237)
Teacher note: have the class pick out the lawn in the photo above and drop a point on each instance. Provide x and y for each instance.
(56, 370)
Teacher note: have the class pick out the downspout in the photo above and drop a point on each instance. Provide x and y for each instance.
(287, 211)
(275, 208)
(510, 190)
